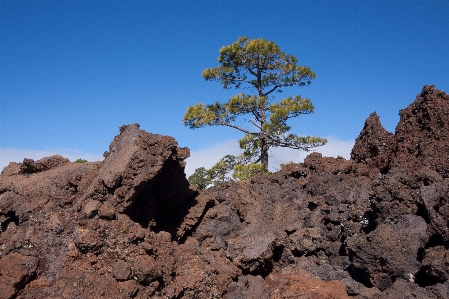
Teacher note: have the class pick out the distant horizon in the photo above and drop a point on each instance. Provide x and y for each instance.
(72, 72)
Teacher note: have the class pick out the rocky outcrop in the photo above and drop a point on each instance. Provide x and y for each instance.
(375, 226)
(421, 138)
(83, 230)
(30, 166)
(374, 146)
(142, 174)
(422, 134)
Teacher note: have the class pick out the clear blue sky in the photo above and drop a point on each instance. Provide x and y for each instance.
(72, 72)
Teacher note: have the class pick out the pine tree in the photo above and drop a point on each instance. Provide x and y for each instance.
(261, 65)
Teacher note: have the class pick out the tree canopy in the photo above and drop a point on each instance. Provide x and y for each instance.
(261, 65)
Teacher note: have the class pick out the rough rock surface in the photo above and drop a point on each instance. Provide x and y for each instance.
(376, 226)
(30, 166)
(83, 230)
(422, 134)
(374, 146)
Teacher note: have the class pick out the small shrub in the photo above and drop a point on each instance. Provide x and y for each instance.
(242, 172)
(80, 161)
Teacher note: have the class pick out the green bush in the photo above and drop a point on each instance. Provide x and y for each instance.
(80, 161)
(242, 172)
(228, 166)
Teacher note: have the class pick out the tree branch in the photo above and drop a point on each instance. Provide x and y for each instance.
(248, 66)
(256, 114)
(235, 79)
(271, 90)
(255, 125)
(277, 142)
(235, 127)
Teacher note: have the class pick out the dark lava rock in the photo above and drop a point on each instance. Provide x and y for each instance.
(83, 230)
(390, 251)
(422, 134)
(375, 226)
(142, 174)
(30, 166)
(374, 146)
(247, 287)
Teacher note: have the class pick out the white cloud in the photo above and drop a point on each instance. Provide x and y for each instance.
(209, 156)
(18, 154)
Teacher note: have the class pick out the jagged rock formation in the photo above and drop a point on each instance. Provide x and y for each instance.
(374, 146)
(375, 226)
(422, 134)
(83, 230)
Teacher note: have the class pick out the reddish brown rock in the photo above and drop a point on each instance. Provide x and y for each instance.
(92, 245)
(390, 251)
(327, 165)
(404, 289)
(121, 270)
(435, 199)
(142, 174)
(289, 284)
(247, 287)
(436, 264)
(200, 274)
(30, 166)
(16, 271)
(303, 285)
(12, 169)
(374, 146)
(422, 134)
(375, 226)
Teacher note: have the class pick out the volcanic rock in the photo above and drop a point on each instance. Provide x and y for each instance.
(142, 174)
(248, 287)
(376, 254)
(303, 285)
(30, 166)
(375, 226)
(374, 146)
(83, 230)
(422, 134)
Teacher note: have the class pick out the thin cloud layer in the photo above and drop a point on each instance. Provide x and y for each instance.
(209, 156)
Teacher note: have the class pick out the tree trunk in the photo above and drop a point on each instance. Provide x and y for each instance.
(264, 151)
(263, 133)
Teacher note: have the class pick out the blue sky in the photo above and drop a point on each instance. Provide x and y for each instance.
(72, 72)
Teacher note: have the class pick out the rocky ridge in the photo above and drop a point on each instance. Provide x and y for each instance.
(130, 226)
